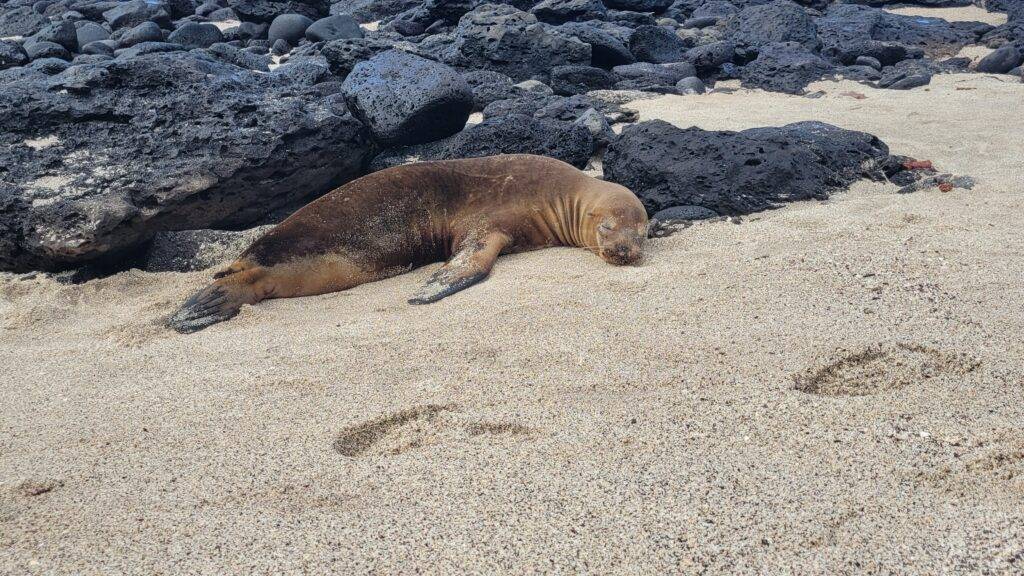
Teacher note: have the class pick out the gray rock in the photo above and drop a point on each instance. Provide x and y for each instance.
(191, 250)
(334, 28)
(598, 126)
(196, 35)
(90, 32)
(12, 54)
(868, 61)
(562, 11)
(62, 33)
(658, 45)
(405, 99)
(784, 67)
(21, 22)
(606, 51)
(100, 47)
(535, 87)
(288, 27)
(135, 12)
(343, 55)
(156, 142)
(778, 21)
(145, 32)
(1001, 61)
(691, 85)
(569, 80)
(37, 50)
(740, 172)
(565, 141)
(709, 57)
(500, 38)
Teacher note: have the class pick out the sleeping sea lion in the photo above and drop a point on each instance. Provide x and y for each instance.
(464, 211)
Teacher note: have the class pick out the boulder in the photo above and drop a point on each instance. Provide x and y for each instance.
(651, 77)
(657, 44)
(196, 35)
(562, 11)
(784, 67)
(500, 38)
(12, 54)
(145, 32)
(135, 12)
(740, 172)
(288, 27)
(656, 6)
(569, 80)
(489, 86)
(514, 134)
(266, 10)
(21, 22)
(343, 55)
(707, 58)
(848, 31)
(1001, 61)
(334, 28)
(606, 51)
(103, 156)
(62, 33)
(38, 50)
(405, 99)
(90, 32)
(779, 21)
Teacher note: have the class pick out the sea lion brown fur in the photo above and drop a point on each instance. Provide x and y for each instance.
(464, 211)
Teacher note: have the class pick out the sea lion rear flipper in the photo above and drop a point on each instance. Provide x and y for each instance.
(471, 264)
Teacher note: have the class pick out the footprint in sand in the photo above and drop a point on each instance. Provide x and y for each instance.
(418, 427)
(879, 368)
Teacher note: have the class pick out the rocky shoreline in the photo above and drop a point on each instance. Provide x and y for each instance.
(123, 121)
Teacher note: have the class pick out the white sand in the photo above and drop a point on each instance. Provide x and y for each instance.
(961, 14)
(566, 416)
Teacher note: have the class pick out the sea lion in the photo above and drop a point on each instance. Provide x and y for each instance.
(464, 211)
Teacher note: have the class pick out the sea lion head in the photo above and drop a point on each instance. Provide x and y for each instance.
(620, 227)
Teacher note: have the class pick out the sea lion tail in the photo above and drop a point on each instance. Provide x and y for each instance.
(218, 302)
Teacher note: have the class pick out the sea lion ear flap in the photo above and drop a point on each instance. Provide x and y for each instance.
(470, 264)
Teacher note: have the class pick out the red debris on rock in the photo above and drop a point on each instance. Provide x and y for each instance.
(918, 164)
(945, 186)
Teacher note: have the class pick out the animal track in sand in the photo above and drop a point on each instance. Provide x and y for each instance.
(418, 427)
(880, 368)
(995, 464)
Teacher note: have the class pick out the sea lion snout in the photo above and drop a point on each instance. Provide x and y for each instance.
(619, 245)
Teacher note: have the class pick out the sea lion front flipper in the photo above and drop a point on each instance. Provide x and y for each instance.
(470, 264)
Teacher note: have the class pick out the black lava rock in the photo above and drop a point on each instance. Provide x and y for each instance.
(606, 51)
(12, 54)
(135, 12)
(90, 32)
(779, 21)
(266, 10)
(343, 55)
(651, 77)
(145, 32)
(405, 99)
(489, 86)
(709, 57)
(691, 85)
(62, 33)
(161, 141)
(656, 6)
(21, 21)
(288, 27)
(658, 45)
(784, 67)
(565, 141)
(848, 31)
(195, 35)
(740, 172)
(562, 11)
(569, 80)
(37, 50)
(500, 38)
(1001, 61)
(334, 28)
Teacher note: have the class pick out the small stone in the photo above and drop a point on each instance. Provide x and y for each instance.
(535, 87)
(280, 47)
(913, 81)
(1001, 61)
(90, 32)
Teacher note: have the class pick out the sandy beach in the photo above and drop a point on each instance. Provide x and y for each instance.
(830, 388)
